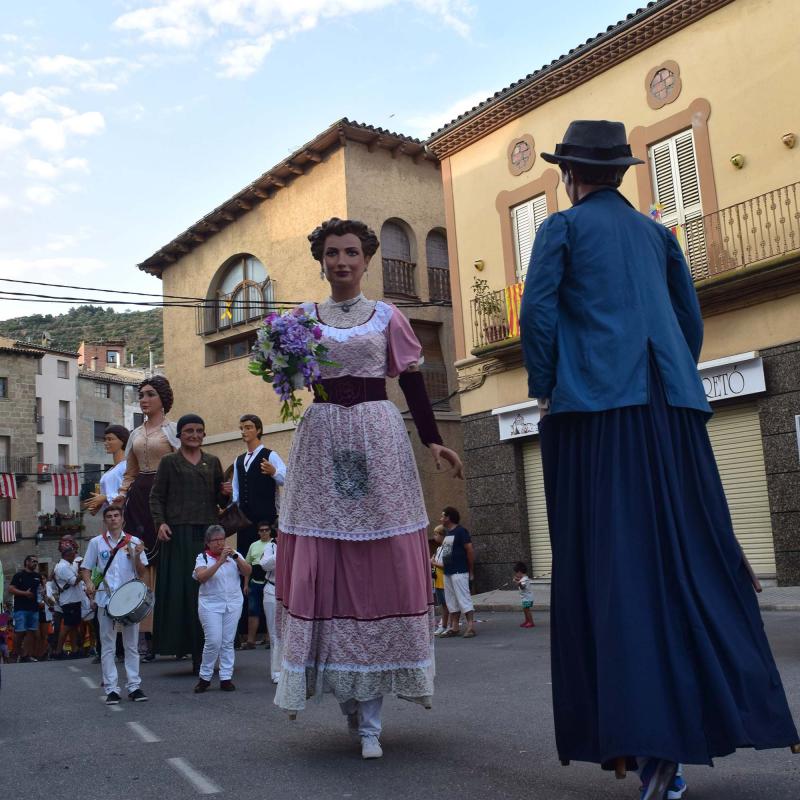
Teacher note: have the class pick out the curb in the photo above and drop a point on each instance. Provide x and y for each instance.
(484, 608)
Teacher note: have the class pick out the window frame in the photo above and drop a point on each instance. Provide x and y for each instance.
(102, 436)
(59, 363)
(4, 387)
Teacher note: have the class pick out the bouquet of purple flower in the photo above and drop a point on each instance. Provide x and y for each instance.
(288, 354)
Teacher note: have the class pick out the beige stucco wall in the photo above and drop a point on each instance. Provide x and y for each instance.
(742, 59)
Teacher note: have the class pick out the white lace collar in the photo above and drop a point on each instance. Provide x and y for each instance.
(377, 323)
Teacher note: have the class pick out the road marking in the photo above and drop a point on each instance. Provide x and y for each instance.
(72, 669)
(116, 708)
(197, 779)
(89, 682)
(143, 733)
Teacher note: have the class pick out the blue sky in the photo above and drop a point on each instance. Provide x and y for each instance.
(124, 121)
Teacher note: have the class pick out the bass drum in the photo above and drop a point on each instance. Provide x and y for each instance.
(130, 603)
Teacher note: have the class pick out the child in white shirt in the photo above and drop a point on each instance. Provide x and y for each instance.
(525, 585)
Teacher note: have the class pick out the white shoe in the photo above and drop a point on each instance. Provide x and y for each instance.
(370, 747)
(439, 631)
(276, 676)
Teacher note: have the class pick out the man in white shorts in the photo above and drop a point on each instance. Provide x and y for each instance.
(458, 557)
(128, 562)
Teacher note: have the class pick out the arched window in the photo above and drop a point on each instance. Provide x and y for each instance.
(438, 266)
(398, 269)
(242, 293)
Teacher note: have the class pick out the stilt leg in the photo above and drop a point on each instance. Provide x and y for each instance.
(795, 748)
(564, 762)
(620, 769)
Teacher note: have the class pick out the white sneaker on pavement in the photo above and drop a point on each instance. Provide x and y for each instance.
(439, 631)
(370, 746)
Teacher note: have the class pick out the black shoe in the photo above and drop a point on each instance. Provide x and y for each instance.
(137, 696)
(201, 686)
(28, 660)
(96, 660)
(112, 699)
(226, 686)
(149, 656)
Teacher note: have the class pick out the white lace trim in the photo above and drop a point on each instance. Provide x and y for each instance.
(354, 536)
(377, 323)
(356, 667)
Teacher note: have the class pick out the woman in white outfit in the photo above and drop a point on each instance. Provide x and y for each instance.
(268, 560)
(218, 569)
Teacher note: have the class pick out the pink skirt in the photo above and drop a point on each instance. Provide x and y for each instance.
(354, 618)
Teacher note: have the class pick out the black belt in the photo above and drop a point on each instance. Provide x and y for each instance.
(350, 391)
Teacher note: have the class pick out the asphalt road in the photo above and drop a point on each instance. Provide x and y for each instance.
(490, 734)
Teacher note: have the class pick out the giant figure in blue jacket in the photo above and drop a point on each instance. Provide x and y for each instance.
(659, 656)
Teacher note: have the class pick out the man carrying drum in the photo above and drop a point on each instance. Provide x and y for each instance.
(113, 559)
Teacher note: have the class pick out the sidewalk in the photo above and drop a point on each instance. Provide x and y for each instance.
(773, 598)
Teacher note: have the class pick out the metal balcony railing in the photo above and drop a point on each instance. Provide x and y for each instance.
(495, 316)
(439, 284)
(763, 227)
(435, 378)
(398, 277)
(64, 427)
(19, 465)
(230, 311)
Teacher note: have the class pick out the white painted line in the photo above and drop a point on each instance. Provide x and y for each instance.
(143, 733)
(116, 708)
(197, 779)
(72, 669)
(89, 682)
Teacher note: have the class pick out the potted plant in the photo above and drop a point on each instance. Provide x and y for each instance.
(490, 311)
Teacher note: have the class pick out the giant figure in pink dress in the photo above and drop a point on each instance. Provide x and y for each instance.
(353, 589)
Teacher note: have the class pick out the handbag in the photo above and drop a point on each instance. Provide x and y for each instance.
(233, 519)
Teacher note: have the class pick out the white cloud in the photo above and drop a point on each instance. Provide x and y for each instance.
(5, 201)
(424, 124)
(9, 137)
(9, 37)
(258, 24)
(6, 69)
(63, 66)
(51, 134)
(48, 170)
(56, 242)
(99, 86)
(36, 100)
(41, 195)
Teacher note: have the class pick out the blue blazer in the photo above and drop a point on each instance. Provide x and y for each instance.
(606, 285)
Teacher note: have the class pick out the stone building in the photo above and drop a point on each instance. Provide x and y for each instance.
(254, 249)
(701, 86)
(18, 369)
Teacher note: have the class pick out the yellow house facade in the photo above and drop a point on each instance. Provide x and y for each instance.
(706, 90)
(252, 252)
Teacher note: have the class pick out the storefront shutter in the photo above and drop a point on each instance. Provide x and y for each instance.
(735, 435)
(525, 221)
(541, 555)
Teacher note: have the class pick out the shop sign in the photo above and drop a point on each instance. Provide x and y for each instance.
(731, 377)
(518, 421)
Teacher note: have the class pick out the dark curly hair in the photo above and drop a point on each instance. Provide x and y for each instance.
(339, 227)
(163, 389)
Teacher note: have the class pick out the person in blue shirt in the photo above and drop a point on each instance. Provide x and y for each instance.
(659, 655)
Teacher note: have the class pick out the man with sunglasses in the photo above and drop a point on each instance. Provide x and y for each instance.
(25, 587)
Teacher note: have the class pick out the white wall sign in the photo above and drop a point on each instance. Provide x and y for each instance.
(518, 420)
(733, 376)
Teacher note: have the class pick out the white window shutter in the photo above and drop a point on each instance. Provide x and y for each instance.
(525, 221)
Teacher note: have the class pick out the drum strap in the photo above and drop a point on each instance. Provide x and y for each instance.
(123, 543)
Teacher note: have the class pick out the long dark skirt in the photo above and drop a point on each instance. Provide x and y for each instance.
(658, 648)
(176, 628)
(138, 521)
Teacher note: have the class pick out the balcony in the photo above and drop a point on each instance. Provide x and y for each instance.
(439, 284)
(64, 427)
(398, 277)
(18, 465)
(741, 238)
(225, 313)
(435, 378)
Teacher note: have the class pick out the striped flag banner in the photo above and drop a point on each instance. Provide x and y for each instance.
(513, 300)
(8, 532)
(65, 484)
(8, 486)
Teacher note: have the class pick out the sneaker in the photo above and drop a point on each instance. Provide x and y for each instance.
(370, 747)
(439, 631)
(352, 724)
(149, 656)
(276, 676)
(656, 774)
(227, 686)
(449, 633)
(137, 696)
(528, 625)
(201, 686)
(28, 660)
(469, 633)
(112, 699)
(676, 789)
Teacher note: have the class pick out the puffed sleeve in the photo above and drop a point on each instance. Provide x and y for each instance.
(404, 347)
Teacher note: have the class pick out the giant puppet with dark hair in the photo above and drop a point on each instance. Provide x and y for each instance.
(145, 448)
(353, 590)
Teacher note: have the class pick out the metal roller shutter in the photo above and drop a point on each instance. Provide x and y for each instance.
(541, 556)
(735, 435)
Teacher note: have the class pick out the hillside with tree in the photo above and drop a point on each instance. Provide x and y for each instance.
(141, 330)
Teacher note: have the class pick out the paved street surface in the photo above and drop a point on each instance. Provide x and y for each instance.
(490, 734)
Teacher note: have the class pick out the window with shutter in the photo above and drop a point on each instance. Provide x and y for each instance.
(677, 189)
(525, 221)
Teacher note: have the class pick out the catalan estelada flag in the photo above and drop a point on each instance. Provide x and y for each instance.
(513, 300)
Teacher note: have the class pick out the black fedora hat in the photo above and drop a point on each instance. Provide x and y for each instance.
(594, 141)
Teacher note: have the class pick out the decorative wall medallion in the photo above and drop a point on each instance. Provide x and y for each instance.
(521, 154)
(663, 84)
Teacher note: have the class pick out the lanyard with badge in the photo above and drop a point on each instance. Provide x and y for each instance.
(97, 576)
